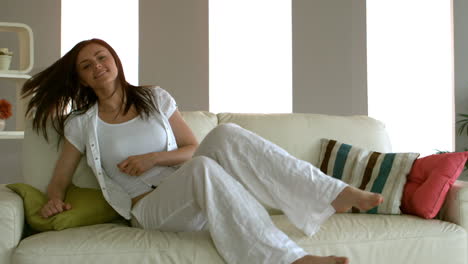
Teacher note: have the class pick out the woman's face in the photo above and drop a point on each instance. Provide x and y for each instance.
(96, 66)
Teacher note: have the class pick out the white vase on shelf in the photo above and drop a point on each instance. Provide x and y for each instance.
(2, 124)
(5, 59)
(5, 62)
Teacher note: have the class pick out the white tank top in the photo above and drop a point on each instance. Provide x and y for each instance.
(119, 141)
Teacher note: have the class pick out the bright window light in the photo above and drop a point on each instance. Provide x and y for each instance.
(410, 73)
(114, 21)
(250, 56)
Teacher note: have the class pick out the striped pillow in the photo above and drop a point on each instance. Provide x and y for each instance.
(372, 171)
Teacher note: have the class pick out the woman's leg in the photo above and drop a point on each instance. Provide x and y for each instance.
(279, 180)
(200, 194)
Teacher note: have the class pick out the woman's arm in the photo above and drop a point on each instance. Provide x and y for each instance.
(186, 141)
(61, 179)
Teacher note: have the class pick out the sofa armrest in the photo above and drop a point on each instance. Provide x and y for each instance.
(11, 222)
(455, 208)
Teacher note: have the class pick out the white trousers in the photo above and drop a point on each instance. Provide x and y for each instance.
(221, 188)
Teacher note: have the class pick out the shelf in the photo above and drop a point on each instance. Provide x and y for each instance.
(21, 103)
(11, 135)
(26, 44)
(13, 75)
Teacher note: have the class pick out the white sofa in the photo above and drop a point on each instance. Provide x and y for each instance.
(365, 239)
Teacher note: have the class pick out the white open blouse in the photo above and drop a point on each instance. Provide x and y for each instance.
(82, 132)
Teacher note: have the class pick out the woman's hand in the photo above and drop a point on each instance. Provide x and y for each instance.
(186, 142)
(53, 207)
(138, 164)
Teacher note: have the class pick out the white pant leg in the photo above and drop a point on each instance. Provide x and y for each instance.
(240, 227)
(273, 176)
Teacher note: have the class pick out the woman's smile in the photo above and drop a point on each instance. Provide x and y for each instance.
(99, 74)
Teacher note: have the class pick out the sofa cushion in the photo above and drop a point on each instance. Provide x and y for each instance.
(383, 239)
(114, 243)
(363, 238)
(429, 181)
(372, 171)
(88, 208)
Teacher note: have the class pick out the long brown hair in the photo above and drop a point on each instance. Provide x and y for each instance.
(58, 87)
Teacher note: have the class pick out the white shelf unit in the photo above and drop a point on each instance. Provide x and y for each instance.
(19, 76)
(11, 134)
(26, 45)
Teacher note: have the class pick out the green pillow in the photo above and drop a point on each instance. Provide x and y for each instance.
(88, 208)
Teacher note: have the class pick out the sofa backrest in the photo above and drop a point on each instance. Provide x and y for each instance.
(299, 134)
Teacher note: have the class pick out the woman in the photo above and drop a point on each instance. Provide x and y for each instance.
(135, 140)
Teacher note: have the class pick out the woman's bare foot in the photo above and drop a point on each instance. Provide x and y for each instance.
(354, 197)
(321, 260)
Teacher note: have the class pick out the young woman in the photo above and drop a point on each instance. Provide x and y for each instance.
(152, 170)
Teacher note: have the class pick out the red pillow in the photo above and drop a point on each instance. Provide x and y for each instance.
(429, 181)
